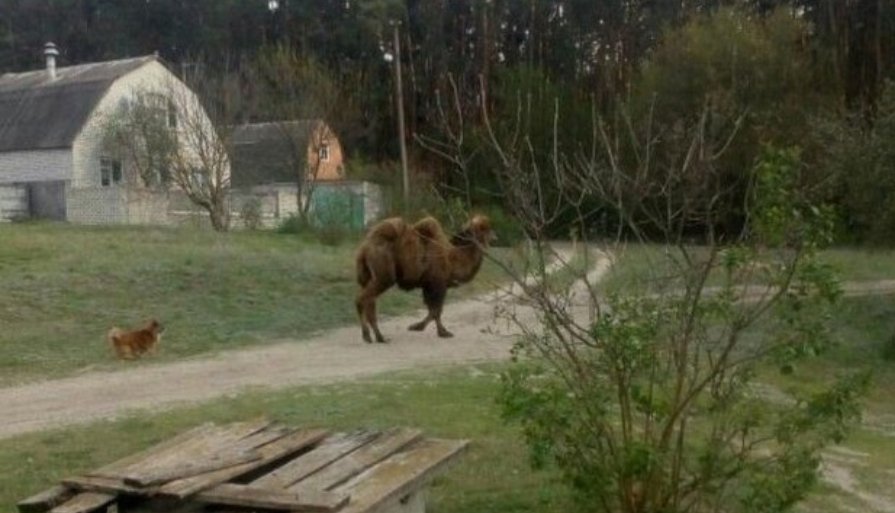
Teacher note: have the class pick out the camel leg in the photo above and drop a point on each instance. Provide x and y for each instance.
(434, 299)
(420, 326)
(360, 303)
(367, 302)
(427, 299)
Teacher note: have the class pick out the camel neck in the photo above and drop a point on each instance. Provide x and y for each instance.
(466, 260)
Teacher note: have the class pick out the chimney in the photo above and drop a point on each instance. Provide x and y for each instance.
(50, 52)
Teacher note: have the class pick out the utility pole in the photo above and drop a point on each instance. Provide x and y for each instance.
(399, 100)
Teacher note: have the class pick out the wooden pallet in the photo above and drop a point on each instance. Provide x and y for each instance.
(260, 464)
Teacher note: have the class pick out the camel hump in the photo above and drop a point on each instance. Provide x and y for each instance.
(390, 229)
(430, 228)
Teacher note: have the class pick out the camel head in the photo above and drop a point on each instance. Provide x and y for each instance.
(478, 230)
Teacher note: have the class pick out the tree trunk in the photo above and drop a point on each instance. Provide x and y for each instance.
(219, 217)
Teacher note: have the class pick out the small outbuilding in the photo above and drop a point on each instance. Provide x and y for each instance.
(293, 165)
(284, 151)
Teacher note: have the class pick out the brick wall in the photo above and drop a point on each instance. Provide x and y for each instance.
(116, 205)
(35, 166)
(13, 201)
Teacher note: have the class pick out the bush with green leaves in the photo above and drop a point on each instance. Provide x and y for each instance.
(250, 212)
(856, 161)
(748, 76)
(649, 401)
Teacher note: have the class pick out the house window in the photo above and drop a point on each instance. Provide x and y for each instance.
(172, 114)
(109, 171)
(324, 152)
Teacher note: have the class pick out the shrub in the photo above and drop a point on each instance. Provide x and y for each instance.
(857, 162)
(647, 404)
(292, 224)
(250, 213)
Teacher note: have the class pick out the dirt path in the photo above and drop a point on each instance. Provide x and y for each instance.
(336, 355)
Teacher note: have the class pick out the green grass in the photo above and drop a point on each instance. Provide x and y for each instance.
(862, 264)
(63, 286)
(642, 267)
(493, 476)
(864, 328)
(460, 403)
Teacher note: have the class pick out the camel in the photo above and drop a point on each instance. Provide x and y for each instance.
(418, 255)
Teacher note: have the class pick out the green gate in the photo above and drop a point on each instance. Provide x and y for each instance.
(337, 206)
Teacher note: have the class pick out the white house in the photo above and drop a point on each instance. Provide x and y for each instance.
(54, 162)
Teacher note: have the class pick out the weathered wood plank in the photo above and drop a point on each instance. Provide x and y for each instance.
(152, 451)
(400, 475)
(45, 500)
(263, 437)
(171, 452)
(271, 452)
(250, 497)
(105, 485)
(357, 461)
(190, 468)
(213, 451)
(330, 450)
(84, 503)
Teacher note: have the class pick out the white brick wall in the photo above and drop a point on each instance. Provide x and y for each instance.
(86, 200)
(88, 146)
(13, 201)
(116, 205)
(35, 166)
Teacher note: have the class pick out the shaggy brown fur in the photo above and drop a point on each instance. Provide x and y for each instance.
(134, 344)
(417, 256)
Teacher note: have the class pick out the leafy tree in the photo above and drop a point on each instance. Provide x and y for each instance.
(856, 165)
(747, 74)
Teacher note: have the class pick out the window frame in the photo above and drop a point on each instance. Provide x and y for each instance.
(323, 152)
(111, 171)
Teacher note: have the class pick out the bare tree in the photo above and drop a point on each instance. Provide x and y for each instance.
(140, 135)
(180, 136)
(302, 101)
(201, 166)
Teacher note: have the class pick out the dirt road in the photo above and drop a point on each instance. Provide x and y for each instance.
(336, 355)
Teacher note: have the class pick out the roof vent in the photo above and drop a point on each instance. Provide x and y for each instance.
(50, 52)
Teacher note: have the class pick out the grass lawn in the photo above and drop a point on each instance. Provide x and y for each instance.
(493, 476)
(866, 334)
(459, 403)
(644, 266)
(63, 286)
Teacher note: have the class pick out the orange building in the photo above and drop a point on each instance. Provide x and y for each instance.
(283, 151)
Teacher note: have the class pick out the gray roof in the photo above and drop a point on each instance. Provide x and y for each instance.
(270, 152)
(300, 129)
(39, 113)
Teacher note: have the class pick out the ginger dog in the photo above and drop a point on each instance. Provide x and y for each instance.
(129, 345)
